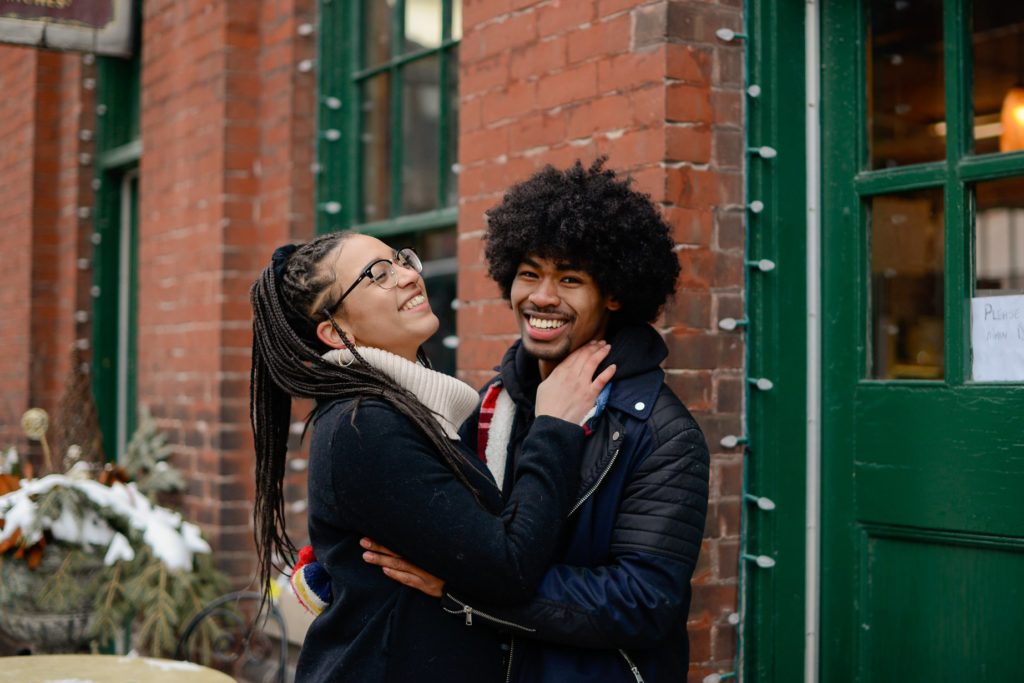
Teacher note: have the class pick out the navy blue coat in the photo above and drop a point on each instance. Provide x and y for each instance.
(373, 473)
(614, 605)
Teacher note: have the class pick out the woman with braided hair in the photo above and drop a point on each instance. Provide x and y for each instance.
(340, 320)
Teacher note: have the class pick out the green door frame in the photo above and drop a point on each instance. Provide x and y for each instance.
(115, 253)
(777, 343)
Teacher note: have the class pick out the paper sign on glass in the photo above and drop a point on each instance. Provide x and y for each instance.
(997, 338)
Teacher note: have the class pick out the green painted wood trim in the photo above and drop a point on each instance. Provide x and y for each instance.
(118, 149)
(440, 218)
(843, 344)
(403, 59)
(991, 166)
(901, 179)
(959, 248)
(124, 155)
(773, 629)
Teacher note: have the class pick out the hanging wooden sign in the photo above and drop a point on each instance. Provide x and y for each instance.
(99, 26)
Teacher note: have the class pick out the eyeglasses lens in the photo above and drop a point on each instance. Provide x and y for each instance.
(382, 274)
(409, 259)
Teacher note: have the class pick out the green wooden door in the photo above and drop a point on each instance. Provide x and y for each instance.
(923, 464)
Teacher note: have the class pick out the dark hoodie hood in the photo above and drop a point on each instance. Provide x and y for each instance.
(636, 350)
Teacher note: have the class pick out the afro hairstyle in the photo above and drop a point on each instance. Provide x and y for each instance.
(594, 220)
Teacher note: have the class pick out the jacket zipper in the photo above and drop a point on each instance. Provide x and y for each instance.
(632, 667)
(470, 611)
(590, 491)
(511, 651)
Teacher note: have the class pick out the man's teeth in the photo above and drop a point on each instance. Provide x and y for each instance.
(414, 302)
(545, 324)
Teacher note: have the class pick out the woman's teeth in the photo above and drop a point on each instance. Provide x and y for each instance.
(545, 324)
(413, 302)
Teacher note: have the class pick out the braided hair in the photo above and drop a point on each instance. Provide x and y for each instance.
(287, 302)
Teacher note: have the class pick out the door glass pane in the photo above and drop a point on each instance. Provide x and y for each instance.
(999, 237)
(905, 93)
(377, 17)
(422, 24)
(906, 319)
(421, 111)
(374, 139)
(998, 37)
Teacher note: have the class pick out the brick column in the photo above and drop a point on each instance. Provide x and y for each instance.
(226, 122)
(42, 183)
(649, 85)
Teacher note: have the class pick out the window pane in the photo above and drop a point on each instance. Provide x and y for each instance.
(906, 316)
(905, 93)
(998, 38)
(375, 133)
(999, 237)
(422, 24)
(452, 134)
(421, 113)
(456, 19)
(377, 17)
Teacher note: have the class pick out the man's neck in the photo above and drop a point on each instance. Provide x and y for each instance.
(546, 368)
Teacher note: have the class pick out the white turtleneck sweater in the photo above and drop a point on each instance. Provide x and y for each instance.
(450, 399)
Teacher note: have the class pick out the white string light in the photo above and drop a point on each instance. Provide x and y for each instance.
(762, 383)
(730, 324)
(756, 206)
(728, 35)
(764, 265)
(762, 561)
(766, 504)
(765, 152)
(732, 441)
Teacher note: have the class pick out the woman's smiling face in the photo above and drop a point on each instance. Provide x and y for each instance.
(398, 319)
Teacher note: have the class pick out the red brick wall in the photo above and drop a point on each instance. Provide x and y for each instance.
(42, 184)
(226, 125)
(228, 131)
(648, 84)
(17, 139)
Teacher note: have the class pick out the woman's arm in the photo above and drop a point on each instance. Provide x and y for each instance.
(388, 485)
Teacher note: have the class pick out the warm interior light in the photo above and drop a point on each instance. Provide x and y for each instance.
(1012, 118)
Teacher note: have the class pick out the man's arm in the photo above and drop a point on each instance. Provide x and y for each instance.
(644, 589)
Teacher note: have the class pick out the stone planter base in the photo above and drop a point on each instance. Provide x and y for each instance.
(48, 633)
(23, 619)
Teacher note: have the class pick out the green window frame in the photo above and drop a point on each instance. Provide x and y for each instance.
(343, 73)
(955, 175)
(343, 118)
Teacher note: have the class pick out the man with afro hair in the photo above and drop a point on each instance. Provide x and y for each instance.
(583, 257)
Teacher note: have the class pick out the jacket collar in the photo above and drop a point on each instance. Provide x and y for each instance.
(637, 351)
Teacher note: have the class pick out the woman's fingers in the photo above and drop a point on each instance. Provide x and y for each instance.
(606, 376)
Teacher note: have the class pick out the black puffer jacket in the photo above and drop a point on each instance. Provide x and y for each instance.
(614, 606)
(373, 474)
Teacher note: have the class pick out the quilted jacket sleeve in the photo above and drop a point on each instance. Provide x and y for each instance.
(643, 591)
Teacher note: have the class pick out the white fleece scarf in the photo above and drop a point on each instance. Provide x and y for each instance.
(451, 400)
(500, 431)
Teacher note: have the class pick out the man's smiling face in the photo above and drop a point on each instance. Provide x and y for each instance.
(558, 308)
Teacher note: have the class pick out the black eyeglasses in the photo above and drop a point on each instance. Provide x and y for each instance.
(382, 273)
